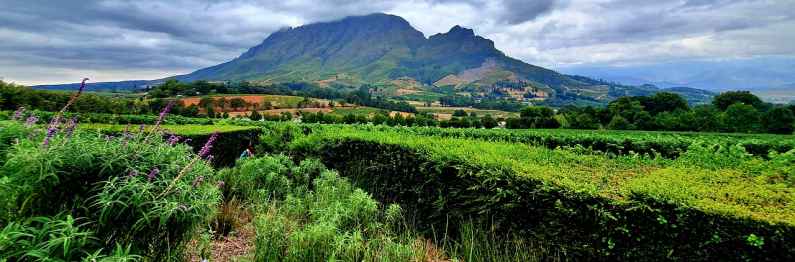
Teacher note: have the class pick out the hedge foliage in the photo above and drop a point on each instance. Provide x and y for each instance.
(231, 141)
(713, 203)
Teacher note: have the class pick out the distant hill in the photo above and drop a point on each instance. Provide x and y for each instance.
(385, 50)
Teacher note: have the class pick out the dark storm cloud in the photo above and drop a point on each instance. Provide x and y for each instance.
(520, 11)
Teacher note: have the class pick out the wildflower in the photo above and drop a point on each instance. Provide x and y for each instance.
(221, 184)
(208, 146)
(153, 174)
(198, 181)
(141, 128)
(31, 121)
(18, 114)
(164, 113)
(132, 173)
(210, 158)
(50, 133)
(173, 139)
(70, 126)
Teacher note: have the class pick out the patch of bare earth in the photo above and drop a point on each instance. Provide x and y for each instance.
(236, 245)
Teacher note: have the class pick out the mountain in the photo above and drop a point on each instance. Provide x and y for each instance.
(386, 51)
(373, 48)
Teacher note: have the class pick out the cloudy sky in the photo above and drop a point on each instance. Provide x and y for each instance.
(46, 41)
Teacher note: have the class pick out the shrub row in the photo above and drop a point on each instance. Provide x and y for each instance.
(665, 144)
(231, 140)
(622, 208)
(104, 118)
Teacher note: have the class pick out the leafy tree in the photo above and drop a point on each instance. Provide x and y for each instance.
(619, 123)
(488, 121)
(237, 103)
(583, 121)
(255, 115)
(727, 99)
(206, 102)
(741, 117)
(225, 115)
(779, 121)
(664, 102)
(459, 113)
(706, 118)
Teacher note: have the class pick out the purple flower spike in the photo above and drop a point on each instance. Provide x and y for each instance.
(164, 113)
(50, 133)
(173, 139)
(198, 181)
(18, 114)
(205, 151)
(70, 126)
(153, 174)
(31, 121)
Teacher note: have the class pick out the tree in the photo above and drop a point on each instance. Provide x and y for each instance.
(206, 102)
(779, 121)
(664, 102)
(459, 113)
(255, 115)
(225, 115)
(727, 99)
(619, 123)
(706, 118)
(741, 117)
(583, 121)
(237, 103)
(488, 121)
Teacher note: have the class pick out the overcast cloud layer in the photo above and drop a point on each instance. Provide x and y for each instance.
(46, 41)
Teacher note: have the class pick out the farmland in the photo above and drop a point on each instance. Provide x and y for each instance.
(565, 193)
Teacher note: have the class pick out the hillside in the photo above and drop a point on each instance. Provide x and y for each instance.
(379, 49)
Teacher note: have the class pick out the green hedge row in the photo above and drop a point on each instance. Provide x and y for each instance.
(596, 208)
(46, 116)
(230, 143)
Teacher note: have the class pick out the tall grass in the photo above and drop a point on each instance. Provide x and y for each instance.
(107, 195)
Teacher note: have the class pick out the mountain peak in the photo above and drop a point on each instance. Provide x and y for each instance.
(462, 31)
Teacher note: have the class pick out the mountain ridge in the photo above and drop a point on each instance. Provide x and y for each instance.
(381, 48)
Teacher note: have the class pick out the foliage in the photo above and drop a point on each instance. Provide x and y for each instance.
(135, 192)
(628, 207)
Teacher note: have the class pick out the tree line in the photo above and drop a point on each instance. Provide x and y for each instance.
(364, 95)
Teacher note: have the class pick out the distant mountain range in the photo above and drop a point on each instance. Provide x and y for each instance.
(385, 50)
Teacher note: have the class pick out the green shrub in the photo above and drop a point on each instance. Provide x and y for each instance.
(624, 207)
(106, 182)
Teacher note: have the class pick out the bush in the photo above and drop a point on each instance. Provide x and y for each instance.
(584, 203)
(134, 190)
(312, 214)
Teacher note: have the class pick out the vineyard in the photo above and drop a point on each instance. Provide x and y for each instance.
(158, 191)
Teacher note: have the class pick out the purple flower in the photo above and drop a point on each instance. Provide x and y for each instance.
(50, 133)
(18, 114)
(210, 158)
(208, 146)
(31, 121)
(198, 181)
(132, 173)
(221, 184)
(173, 139)
(70, 126)
(153, 174)
(141, 128)
(164, 113)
